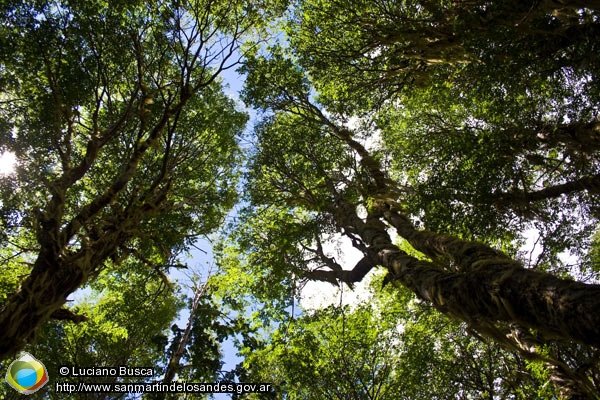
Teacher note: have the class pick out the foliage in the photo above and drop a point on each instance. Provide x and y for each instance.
(129, 313)
(454, 122)
(360, 53)
(387, 347)
(459, 127)
(126, 142)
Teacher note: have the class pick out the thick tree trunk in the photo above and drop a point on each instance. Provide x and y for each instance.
(489, 287)
(43, 292)
(499, 292)
(485, 286)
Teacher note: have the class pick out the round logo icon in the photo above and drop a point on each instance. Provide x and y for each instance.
(26, 374)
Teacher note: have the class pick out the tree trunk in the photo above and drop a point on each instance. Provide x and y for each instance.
(173, 365)
(489, 286)
(53, 278)
(43, 292)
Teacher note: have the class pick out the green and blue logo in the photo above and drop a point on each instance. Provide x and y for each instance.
(26, 374)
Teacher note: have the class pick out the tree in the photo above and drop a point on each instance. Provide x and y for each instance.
(375, 117)
(313, 175)
(179, 347)
(468, 281)
(483, 104)
(196, 353)
(125, 140)
(339, 194)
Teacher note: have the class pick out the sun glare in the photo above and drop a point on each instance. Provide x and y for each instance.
(7, 163)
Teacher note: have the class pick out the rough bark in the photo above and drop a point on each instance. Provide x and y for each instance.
(43, 292)
(53, 278)
(489, 288)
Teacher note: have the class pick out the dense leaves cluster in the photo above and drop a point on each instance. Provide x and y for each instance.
(387, 348)
(433, 137)
(478, 120)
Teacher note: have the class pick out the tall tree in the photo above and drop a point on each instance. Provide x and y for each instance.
(313, 174)
(197, 354)
(126, 143)
(180, 345)
(339, 188)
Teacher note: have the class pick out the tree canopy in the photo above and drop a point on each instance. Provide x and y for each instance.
(111, 163)
(433, 137)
